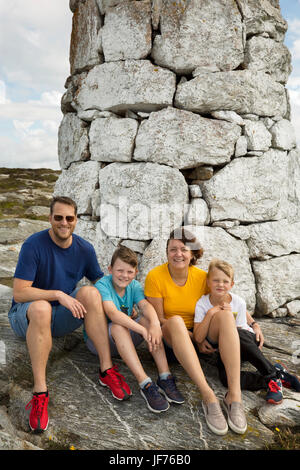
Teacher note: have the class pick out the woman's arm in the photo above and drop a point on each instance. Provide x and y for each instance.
(158, 304)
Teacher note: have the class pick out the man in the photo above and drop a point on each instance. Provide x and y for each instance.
(47, 303)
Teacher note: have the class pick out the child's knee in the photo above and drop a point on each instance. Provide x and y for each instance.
(118, 330)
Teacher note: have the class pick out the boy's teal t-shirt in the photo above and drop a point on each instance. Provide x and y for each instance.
(133, 294)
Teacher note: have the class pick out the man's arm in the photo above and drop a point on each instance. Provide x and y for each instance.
(24, 292)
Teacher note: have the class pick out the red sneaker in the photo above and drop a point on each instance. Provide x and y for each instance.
(116, 383)
(38, 418)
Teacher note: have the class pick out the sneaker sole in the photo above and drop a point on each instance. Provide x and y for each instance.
(39, 430)
(273, 402)
(219, 432)
(232, 426)
(126, 396)
(150, 408)
(170, 400)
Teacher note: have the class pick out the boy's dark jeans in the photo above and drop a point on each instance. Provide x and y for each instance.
(250, 352)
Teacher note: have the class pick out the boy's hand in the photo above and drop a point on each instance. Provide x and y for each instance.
(205, 347)
(225, 306)
(134, 314)
(154, 336)
(213, 310)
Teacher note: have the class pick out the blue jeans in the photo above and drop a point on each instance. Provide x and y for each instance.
(62, 321)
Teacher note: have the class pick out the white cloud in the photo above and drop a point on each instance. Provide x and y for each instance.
(32, 146)
(3, 99)
(34, 50)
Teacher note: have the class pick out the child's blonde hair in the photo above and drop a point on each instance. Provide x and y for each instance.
(223, 266)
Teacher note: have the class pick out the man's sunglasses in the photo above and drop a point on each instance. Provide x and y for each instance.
(59, 218)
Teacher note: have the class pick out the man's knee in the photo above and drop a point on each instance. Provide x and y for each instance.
(39, 312)
(89, 294)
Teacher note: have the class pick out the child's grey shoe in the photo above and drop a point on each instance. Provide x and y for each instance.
(214, 418)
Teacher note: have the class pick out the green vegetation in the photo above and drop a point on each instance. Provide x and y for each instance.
(22, 188)
(285, 439)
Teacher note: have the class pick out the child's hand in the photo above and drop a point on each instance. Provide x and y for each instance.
(154, 337)
(226, 306)
(134, 314)
(213, 310)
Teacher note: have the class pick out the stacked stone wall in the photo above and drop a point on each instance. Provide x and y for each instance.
(176, 112)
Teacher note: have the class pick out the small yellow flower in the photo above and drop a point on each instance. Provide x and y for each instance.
(277, 429)
(72, 448)
(50, 438)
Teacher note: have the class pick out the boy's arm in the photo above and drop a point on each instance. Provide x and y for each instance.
(154, 330)
(256, 328)
(201, 329)
(120, 318)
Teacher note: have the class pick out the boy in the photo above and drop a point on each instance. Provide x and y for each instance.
(120, 292)
(220, 280)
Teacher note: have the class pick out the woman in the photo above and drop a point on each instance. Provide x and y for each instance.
(173, 289)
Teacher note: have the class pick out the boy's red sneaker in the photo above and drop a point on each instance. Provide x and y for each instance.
(112, 379)
(38, 418)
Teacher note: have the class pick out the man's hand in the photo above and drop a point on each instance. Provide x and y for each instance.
(75, 307)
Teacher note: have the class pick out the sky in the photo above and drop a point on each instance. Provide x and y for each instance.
(34, 50)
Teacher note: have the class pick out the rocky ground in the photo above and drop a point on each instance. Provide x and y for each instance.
(84, 415)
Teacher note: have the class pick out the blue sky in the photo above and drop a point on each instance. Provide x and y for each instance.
(34, 50)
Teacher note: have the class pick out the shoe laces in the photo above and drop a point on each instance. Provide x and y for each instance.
(37, 404)
(115, 375)
(170, 382)
(152, 390)
(273, 386)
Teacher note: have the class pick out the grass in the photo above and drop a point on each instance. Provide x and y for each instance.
(22, 188)
(285, 438)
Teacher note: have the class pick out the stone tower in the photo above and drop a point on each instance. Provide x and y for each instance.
(176, 112)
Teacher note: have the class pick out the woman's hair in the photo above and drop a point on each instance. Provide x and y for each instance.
(189, 240)
(225, 267)
(125, 254)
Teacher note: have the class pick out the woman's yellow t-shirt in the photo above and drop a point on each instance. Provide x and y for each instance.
(178, 300)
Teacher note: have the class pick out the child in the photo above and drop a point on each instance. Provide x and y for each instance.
(220, 280)
(120, 292)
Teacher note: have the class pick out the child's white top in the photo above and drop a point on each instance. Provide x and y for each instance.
(238, 306)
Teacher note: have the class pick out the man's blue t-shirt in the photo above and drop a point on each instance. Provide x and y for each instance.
(51, 267)
(133, 294)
